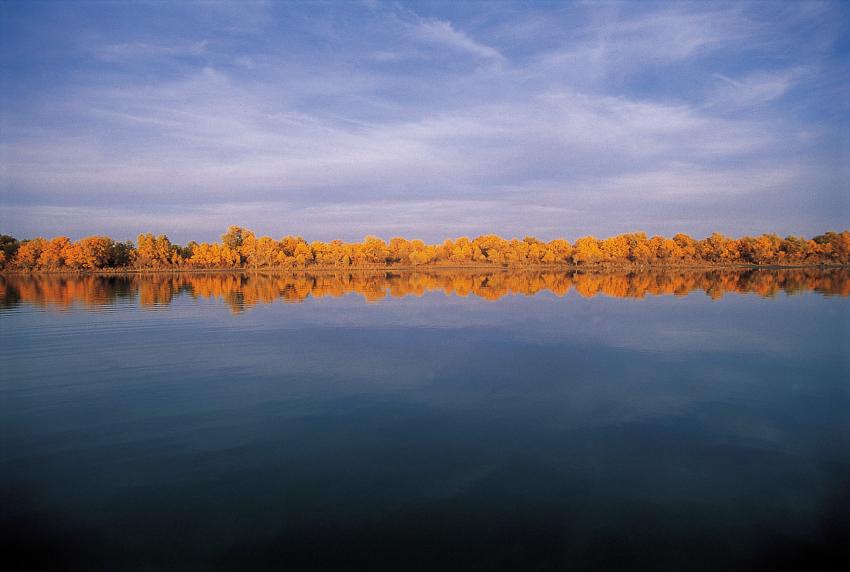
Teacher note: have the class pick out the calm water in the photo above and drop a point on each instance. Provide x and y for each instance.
(486, 421)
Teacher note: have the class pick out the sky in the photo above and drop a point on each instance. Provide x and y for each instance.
(424, 120)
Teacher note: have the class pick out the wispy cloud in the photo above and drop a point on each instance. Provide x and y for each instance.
(146, 50)
(443, 33)
(675, 32)
(590, 118)
(756, 88)
(212, 132)
(617, 43)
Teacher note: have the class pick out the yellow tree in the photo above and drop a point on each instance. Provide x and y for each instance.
(248, 248)
(303, 255)
(664, 249)
(687, 246)
(55, 252)
(718, 248)
(265, 252)
(639, 248)
(29, 253)
(615, 248)
(374, 250)
(587, 251)
(91, 253)
(461, 251)
(399, 250)
(153, 252)
(559, 250)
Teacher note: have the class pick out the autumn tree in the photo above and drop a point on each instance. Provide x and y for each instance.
(640, 251)
(586, 250)
(265, 252)
(399, 250)
(240, 246)
(558, 251)
(233, 238)
(833, 246)
(461, 251)
(665, 249)
(153, 252)
(373, 251)
(29, 251)
(91, 253)
(615, 248)
(687, 246)
(718, 248)
(55, 252)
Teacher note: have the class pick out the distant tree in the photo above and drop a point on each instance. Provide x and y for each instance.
(121, 254)
(234, 237)
(586, 250)
(185, 252)
(29, 251)
(91, 253)
(718, 248)
(687, 246)
(153, 252)
(9, 245)
(55, 253)
(239, 246)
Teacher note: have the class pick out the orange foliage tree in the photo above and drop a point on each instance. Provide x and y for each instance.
(241, 248)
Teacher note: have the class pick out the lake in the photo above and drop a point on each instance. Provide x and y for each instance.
(475, 420)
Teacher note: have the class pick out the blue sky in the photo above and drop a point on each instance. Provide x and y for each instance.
(342, 119)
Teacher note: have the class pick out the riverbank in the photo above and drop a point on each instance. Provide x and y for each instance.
(422, 268)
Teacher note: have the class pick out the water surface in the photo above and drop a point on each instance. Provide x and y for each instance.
(448, 420)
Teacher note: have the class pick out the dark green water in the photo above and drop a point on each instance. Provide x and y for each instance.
(212, 426)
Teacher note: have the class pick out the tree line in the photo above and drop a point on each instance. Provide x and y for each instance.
(241, 248)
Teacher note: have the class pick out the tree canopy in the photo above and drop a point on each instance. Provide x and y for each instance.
(241, 248)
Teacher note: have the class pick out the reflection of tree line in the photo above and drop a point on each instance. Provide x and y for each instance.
(241, 290)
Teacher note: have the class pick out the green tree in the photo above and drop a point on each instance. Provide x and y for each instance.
(9, 245)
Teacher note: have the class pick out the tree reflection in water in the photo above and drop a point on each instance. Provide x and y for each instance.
(242, 291)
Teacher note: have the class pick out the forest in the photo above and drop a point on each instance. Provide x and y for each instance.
(240, 248)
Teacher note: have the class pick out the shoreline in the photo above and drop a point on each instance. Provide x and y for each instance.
(599, 268)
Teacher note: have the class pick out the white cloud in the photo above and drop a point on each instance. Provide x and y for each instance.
(212, 134)
(443, 33)
(617, 43)
(369, 130)
(754, 89)
(141, 50)
(673, 33)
